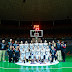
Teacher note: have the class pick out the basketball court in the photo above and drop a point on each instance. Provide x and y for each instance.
(60, 67)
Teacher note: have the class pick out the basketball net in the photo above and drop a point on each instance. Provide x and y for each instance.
(36, 36)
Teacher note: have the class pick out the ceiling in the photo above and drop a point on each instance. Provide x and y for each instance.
(35, 10)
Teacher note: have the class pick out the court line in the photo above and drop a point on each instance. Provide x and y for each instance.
(36, 68)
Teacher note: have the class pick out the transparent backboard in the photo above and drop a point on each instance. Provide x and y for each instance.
(36, 33)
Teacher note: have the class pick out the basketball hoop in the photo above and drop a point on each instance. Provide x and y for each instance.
(36, 35)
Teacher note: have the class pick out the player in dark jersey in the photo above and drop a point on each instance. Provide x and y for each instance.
(17, 54)
(54, 44)
(10, 43)
(49, 45)
(53, 53)
(10, 53)
(15, 44)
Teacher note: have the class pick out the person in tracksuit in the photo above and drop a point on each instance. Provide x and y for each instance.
(11, 54)
(63, 49)
(10, 44)
(17, 54)
(15, 44)
(53, 54)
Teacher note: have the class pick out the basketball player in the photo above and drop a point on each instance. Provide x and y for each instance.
(40, 45)
(10, 53)
(42, 53)
(22, 55)
(26, 45)
(45, 44)
(47, 52)
(10, 43)
(15, 44)
(27, 54)
(38, 54)
(17, 54)
(53, 53)
(36, 45)
(54, 44)
(21, 46)
(31, 45)
(49, 45)
(32, 54)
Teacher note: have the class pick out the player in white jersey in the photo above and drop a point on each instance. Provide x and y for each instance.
(42, 53)
(22, 55)
(35, 45)
(27, 54)
(47, 53)
(31, 45)
(26, 45)
(32, 54)
(40, 45)
(45, 44)
(21, 46)
(38, 54)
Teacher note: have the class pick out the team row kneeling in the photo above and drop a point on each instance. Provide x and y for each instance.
(34, 55)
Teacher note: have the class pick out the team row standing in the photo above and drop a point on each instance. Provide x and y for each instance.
(60, 47)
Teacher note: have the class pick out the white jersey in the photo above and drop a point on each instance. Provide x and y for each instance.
(26, 46)
(22, 53)
(21, 46)
(27, 54)
(38, 52)
(35, 46)
(40, 45)
(45, 45)
(32, 52)
(47, 51)
(42, 52)
(31, 46)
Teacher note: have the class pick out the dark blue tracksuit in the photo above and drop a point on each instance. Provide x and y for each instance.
(11, 55)
(53, 52)
(17, 55)
(10, 44)
(3, 46)
(15, 45)
(63, 49)
(58, 45)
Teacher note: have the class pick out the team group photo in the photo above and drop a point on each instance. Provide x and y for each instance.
(34, 52)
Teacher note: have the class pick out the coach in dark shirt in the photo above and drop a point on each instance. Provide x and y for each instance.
(10, 43)
(3, 48)
(63, 49)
